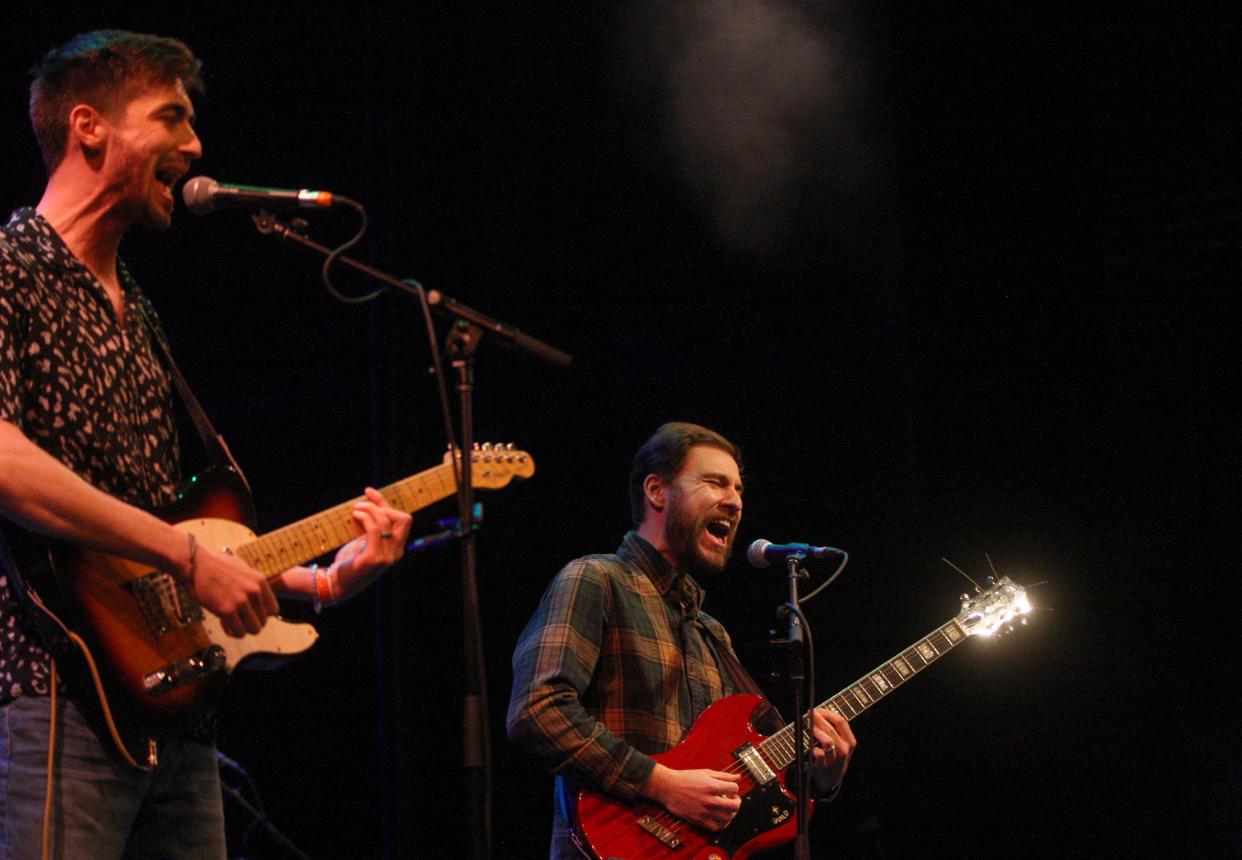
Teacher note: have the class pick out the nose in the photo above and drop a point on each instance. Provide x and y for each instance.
(192, 147)
(732, 499)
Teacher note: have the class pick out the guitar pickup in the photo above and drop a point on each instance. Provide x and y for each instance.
(659, 831)
(166, 605)
(210, 659)
(753, 761)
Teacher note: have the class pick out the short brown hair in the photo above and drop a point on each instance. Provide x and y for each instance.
(665, 453)
(105, 69)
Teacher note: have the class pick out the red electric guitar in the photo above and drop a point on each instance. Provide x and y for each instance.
(722, 738)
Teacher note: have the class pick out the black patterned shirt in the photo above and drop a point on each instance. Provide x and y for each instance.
(83, 386)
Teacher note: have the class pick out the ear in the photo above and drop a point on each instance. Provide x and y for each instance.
(654, 490)
(88, 127)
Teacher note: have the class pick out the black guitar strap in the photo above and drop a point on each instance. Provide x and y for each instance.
(767, 719)
(216, 447)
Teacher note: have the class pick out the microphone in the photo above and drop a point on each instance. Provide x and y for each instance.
(202, 195)
(762, 552)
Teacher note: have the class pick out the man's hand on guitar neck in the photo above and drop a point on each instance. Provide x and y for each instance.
(835, 744)
(708, 798)
(230, 588)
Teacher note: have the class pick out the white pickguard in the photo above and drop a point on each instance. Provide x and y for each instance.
(279, 640)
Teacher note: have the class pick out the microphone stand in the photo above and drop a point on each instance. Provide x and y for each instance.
(255, 810)
(467, 329)
(792, 647)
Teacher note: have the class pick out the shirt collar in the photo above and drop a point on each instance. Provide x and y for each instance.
(674, 586)
(36, 234)
(32, 231)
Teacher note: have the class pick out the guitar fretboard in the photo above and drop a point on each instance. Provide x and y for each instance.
(299, 542)
(778, 749)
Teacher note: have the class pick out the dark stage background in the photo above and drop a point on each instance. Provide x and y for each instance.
(958, 277)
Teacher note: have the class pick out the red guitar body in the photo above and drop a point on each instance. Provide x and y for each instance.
(608, 828)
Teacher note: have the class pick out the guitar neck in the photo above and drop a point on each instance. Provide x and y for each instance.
(869, 689)
(299, 542)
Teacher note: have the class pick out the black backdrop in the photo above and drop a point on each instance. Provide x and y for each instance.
(975, 298)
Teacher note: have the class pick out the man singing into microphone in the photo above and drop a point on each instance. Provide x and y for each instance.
(87, 443)
(620, 659)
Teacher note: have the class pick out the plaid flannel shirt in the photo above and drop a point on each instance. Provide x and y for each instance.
(614, 667)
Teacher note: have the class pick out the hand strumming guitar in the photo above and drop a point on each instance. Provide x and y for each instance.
(231, 589)
(708, 798)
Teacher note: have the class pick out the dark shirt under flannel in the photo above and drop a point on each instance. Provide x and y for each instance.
(86, 388)
(614, 667)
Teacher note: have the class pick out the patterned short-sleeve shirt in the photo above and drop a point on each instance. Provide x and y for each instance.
(84, 386)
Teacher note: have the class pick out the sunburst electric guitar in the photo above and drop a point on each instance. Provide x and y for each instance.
(722, 738)
(155, 659)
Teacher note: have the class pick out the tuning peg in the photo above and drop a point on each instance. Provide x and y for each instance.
(508, 446)
(965, 598)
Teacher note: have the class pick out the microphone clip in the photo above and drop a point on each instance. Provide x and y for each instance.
(267, 224)
(450, 530)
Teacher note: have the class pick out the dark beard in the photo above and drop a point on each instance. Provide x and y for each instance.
(682, 534)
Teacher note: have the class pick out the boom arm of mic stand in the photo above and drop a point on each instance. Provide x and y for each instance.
(268, 224)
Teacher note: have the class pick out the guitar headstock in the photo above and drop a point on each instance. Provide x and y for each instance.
(989, 611)
(492, 466)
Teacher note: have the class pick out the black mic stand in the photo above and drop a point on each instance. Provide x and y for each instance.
(793, 647)
(258, 816)
(460, 344)
(467, 330)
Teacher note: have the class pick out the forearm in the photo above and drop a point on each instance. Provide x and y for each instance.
(40, 493)
(555, 728)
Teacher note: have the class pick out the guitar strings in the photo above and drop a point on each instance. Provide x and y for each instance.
(782, 738)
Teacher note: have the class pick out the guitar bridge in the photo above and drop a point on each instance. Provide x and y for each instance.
(659, 831)
(165, 604)
(210, 659)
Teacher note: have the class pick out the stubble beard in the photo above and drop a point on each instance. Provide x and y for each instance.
(682, 532)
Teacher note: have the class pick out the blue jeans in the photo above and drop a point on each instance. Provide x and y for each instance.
(100, 807)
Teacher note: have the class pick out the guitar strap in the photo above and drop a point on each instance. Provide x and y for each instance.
(216, 447)
(51, 632)
(766, 718)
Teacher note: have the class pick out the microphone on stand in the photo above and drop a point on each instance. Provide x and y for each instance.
(762, 552)
(202, 195)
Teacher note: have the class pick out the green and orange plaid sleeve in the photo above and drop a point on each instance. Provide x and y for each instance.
(553, 666)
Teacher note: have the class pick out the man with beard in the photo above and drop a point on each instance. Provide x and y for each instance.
(619, 659)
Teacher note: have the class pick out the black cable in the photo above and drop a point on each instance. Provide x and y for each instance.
(437, 363)
(341, 249)
(845, 559)
(266, 226)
